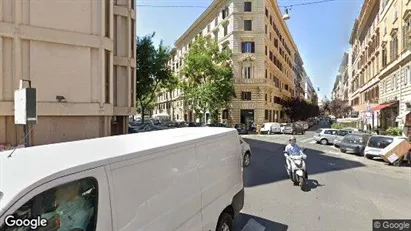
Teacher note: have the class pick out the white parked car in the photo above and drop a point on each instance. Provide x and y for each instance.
(246, 151)
(376, 144)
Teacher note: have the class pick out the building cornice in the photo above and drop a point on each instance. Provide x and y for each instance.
(201, 22)
(279, 14)
(353, 32)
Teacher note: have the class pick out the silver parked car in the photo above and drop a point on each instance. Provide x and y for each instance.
(325, 135)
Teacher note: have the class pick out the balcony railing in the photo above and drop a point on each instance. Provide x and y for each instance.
(250, 81)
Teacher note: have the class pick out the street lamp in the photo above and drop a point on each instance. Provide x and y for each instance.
(286, 16)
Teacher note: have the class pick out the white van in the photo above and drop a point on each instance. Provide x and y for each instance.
(178, 179)
(271, 128)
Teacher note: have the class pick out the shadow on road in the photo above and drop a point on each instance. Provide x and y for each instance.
(247, 222)
(268, 163)
(311, 184)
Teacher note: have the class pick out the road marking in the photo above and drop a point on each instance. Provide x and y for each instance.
(305, 140)
(253, 225)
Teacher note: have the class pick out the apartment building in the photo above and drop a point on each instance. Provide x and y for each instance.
(310, 93)
(366, 63)
(395, 72)
(79, 55)
(300, 76)
(263, 60)
(341, 84)
(337, 89)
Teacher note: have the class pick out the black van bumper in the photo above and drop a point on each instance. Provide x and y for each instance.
(238, 202)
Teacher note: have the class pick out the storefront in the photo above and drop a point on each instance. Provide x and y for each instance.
(384, 115)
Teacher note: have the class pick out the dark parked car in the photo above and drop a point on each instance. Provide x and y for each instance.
(354, 143)
(294, 129)
(340, 136)
(241, 128)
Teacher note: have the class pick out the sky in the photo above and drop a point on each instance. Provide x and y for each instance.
(321, 31)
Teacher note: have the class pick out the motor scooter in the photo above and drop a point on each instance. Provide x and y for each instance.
(298, 171)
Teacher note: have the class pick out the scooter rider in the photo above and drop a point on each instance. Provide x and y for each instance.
(292, 149)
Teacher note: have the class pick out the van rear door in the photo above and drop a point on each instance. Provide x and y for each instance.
(221, 177)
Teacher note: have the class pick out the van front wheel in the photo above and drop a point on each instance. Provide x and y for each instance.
(225, 223)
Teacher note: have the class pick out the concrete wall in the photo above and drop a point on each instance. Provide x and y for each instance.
(63, 55)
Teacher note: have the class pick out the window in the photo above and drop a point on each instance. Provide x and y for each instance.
(53, 205)
(266, 50)
(216, 35)
(266, 29)
(247, 72)
(384, 57)
(133, 36)
(277, 100)
(266, 114)
(248, 24)
(247, 47)
(408, 74)
(224, 13)
(246, 95)
(266, 97)
(286, 87)
(394, 48)
(107, 17)
(266, 12)
(133, 4)
(216, 22)
(225, 28)
(208, 28)
(266, 73)
(247, 6)
(107, 75)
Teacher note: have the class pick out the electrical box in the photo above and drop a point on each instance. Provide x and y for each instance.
(25, 106)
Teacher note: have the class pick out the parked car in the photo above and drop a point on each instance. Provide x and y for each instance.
(241, 128)
(340, 136)
(376, 144)
(325, 136)
(275, 128)
(269, 128)
(246, 152)
(304, 124)
(354, 143)
(294, 129)
(282, 126)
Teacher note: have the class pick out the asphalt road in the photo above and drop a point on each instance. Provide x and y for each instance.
(344, 192)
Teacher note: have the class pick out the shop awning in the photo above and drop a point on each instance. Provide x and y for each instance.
(381, 106)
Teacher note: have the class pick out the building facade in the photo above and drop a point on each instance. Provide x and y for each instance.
(310, 93)
(395, 73)
(366, 63)
(87, 60)
(341, 83)
(263, 60)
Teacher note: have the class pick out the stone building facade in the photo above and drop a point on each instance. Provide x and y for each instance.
(263, 60)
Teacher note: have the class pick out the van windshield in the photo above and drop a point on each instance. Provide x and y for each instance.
(380, 142)
(318, 131)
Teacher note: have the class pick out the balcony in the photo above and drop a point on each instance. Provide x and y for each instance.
(250, 81)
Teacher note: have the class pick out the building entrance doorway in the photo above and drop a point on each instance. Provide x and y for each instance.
(247, 117)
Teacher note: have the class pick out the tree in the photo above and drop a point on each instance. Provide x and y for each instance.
(299, 109)
(208, 83)
(339, 108)
(169, 86)
(152, 70)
